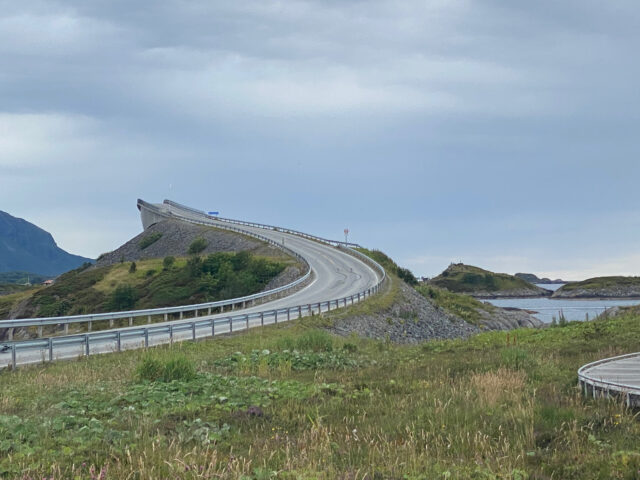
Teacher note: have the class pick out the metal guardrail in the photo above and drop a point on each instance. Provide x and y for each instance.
(144, 334)
(593, 386)
(262, 225)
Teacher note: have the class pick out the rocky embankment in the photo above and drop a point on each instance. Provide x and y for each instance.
(413, 319)
(174, 238)
(535, 292)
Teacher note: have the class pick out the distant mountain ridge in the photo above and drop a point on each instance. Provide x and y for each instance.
(531, 278)
(28, 248)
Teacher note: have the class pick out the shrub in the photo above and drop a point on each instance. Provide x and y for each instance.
(123, 297)
(150, 273)
(149, 240)
(133, 267)
(197, 246)
(168, 262)
(178, 367)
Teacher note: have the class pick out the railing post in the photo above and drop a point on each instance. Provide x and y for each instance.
(299, 311)
(111, 323)
(66, 329)
(166, 317)
(275, 315)
(171, 334)
(195, 313)
(230, 324)
(40, 331)
(130, 321)
(262, 319)
(213, 327)
(246, 319)
(50, 346)
(288, 314)
(118, 341)
(86, 345)
(209, 311)
(181, 314)
(89, 325)
(13, 357)
(146, 338)
(148, 319)
(193, 330)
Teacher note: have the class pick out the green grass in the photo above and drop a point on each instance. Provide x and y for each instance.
(149, 240)
(461, 278)
(22, 277)
(601, 283)
(290, 402)
(463, 306)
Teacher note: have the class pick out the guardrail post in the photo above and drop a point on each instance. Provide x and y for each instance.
(233, 307)
(50, 346)
(148, 319)
(111, 323)
(86, 345)
(299, 311)
(166, 317)
(358, 297)
(193, 330)
(181, 314)
(209, 311)
(246, 318)
(319, 308)
(146, 338)
(66, 329)
(288, 314)
(195, 313)
(213, 327)
(230, 324)
(13, 357)
(171, 334)
(243, 304)
(40, 331)
(130, 321)
(89, 325)
(275, 314)
(262, 319)
(118, 341)
(309, 309)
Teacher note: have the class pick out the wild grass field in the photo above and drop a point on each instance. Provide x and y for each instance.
(292, 401)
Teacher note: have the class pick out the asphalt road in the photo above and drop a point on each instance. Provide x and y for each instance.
(618, 375)
(335, 275)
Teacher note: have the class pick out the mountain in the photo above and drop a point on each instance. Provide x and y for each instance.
(474, 281)
(26, 247)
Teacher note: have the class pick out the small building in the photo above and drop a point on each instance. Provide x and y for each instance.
(47, 283)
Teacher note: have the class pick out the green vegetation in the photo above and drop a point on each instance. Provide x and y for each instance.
(149, 240)
(10, 288)
(599, 283)
(390, 266)
(22, 277)
(153, 283)
(462, 278)
(464, 306)
(197, 246)
(290, 401)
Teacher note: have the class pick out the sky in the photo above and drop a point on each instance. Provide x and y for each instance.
(497, 133)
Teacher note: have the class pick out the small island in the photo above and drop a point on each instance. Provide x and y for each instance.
(601, 287)
(480, 283)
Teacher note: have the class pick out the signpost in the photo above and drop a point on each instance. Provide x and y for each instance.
(214, 213)
(346, 235)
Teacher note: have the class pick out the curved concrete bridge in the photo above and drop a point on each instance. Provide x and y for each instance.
(613, 377)
(339, 276)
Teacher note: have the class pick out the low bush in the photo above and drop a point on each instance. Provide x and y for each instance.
(197, 246)
(178, 367)
(149, 240)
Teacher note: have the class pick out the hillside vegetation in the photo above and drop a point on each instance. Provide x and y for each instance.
(601, 287)
(467, 279)
(292, 402)
(154, 283)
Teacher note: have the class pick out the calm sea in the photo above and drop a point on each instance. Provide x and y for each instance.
(546, 309)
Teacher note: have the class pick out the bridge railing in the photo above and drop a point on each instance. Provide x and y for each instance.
(262, 225)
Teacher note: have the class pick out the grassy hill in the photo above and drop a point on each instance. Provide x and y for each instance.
(292, 402)
(601, 287)
(22, 277)
(150, 283)
(467, 279)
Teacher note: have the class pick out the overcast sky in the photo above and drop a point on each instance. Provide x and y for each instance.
(498, 133)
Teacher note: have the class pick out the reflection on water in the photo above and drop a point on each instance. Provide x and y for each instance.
(547, 308)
